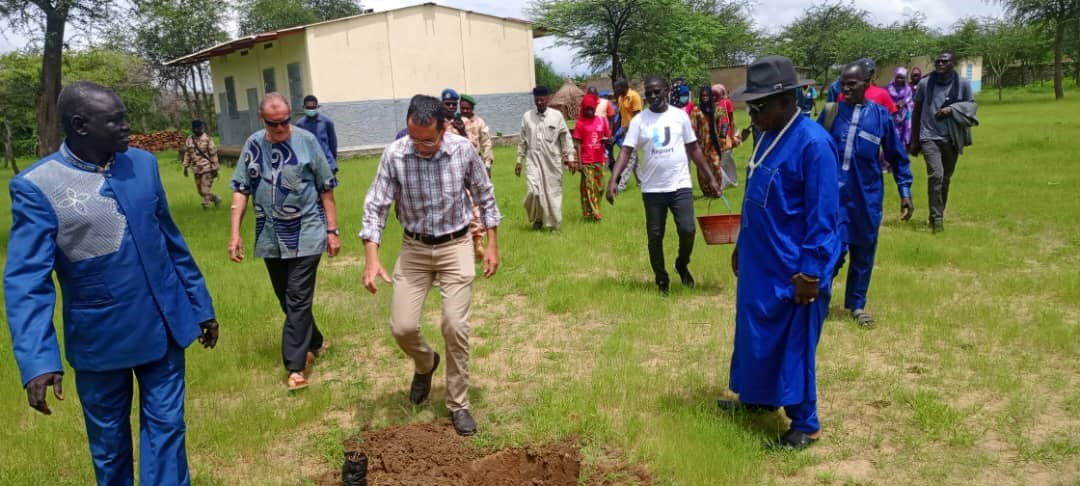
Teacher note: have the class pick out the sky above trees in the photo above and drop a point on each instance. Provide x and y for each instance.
(769, 15)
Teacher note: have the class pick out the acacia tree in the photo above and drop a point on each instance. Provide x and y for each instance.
(673, 37)
(51, 17)
(597, 29)
(1056, 16)
(169, 29)
(999, 43)
(827, 35)
(267, 15)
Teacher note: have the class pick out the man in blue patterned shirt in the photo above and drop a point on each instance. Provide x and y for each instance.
(425, 175)
(286, 173)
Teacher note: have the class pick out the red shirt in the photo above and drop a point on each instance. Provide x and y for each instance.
(877, 95)
(590, 132)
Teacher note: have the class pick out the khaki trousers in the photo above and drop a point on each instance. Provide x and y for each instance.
(418, 267)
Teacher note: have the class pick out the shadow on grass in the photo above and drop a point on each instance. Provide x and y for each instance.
(393, 408)
(765, 425)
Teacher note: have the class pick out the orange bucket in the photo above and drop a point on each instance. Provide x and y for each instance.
(719, 229)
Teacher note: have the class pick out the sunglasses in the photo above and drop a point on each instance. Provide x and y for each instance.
(756, 106)
(276, 123)
(941, 61)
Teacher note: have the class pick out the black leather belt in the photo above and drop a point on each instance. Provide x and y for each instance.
(436, 240)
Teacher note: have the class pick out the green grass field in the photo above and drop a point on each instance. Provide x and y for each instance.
(972, 374)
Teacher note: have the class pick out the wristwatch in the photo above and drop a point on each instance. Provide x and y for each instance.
(334, 232)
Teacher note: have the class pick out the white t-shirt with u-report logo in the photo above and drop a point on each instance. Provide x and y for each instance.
(663, 137)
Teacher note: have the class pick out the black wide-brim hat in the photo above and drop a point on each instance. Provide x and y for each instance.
(768, 76)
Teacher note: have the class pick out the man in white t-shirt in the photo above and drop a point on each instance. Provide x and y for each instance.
(668, 141)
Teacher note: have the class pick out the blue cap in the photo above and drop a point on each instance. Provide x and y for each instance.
(606, 92)
(868, 64)
(450, 95)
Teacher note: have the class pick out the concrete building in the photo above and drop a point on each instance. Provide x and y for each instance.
(365, 68)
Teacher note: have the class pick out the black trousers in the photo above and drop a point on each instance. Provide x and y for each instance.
(657, 205)
(294, 284)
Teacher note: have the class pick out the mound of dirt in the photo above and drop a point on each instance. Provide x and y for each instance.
(432, 453)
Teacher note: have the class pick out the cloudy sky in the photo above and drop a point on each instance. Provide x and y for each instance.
(770, 15)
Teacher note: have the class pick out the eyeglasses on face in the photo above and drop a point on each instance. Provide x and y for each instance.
(276, 123)
(941, 61)
(424, 143)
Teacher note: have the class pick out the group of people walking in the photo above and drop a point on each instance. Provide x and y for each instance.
(96, 215)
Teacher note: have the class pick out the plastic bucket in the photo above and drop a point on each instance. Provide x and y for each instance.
(719, 229)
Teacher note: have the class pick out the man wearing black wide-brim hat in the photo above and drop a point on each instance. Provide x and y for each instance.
(787, 248)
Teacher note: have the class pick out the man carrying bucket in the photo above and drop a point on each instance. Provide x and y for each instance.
(863, 129)
(785, 254)
(669, 141)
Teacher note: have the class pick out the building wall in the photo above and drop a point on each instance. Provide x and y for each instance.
(422, 49)
(365, 69)
(246, 68)
(970, 69)
(373, 123)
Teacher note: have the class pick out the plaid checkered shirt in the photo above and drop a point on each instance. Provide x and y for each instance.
(429, 194)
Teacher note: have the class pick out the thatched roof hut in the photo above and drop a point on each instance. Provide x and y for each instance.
(567, 100)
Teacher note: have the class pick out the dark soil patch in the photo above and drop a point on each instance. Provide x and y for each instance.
(432, 453)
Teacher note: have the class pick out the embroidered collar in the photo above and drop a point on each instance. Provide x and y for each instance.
(66, 152)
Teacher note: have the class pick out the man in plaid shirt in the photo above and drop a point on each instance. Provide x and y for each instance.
(425, 175)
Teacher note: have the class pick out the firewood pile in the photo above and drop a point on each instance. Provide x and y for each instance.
(158, 141)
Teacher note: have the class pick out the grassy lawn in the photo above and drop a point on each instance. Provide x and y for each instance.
(971, 375)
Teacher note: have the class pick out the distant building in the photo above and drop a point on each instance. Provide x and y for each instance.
(365, 68)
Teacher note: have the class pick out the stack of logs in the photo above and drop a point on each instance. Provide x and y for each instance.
(158, 141)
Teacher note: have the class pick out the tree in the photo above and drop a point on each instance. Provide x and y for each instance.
(673, 37)
(999, 43)
(824, 37)
(597, 29)
(1057, 16)
(126, 73)
(169, 29)
(27, 15)
(268, 15)
(546, 75)
(690, 38)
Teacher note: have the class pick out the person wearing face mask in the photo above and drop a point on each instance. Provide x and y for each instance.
(285, 173)
(435, 249)
(322, 127)
(668, 142)
(681, 99)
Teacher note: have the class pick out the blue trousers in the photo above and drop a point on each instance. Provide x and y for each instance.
(803, 417)
(106, 399)
(858, 274)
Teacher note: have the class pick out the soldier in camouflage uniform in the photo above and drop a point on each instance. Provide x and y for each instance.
(200, 156)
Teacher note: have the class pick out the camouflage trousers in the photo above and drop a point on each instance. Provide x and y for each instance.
(204, 183)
